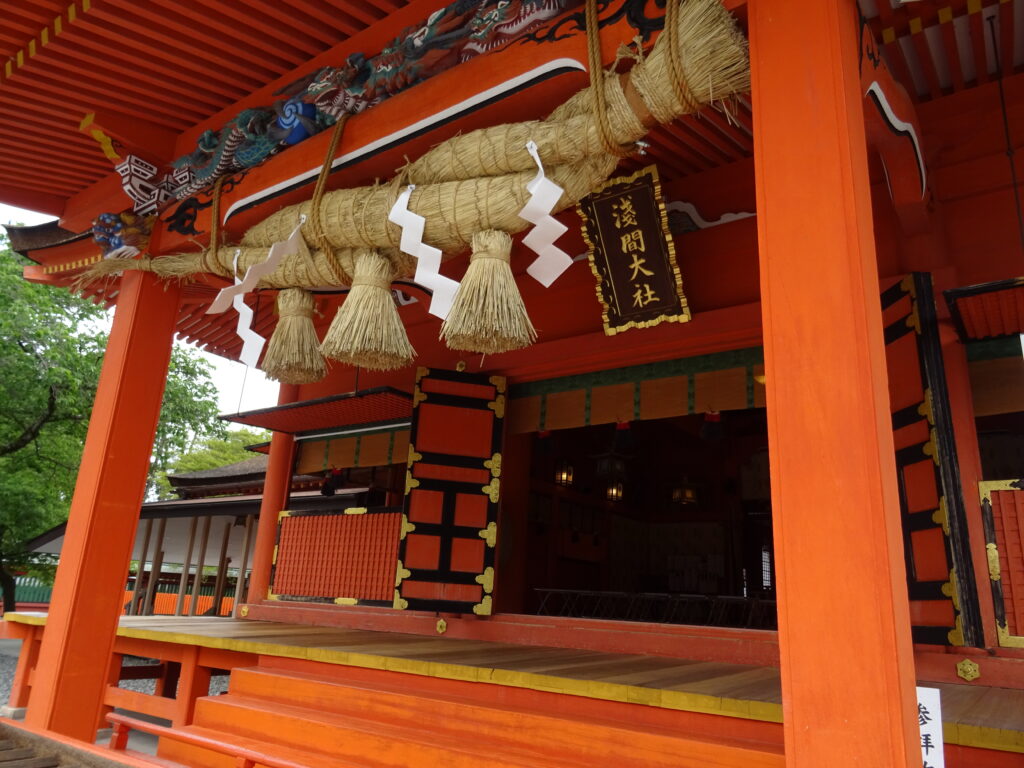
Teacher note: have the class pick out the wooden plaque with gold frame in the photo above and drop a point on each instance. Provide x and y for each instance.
(632, 255)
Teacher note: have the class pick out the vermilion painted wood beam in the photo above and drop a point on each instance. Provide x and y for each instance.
(64, 87)
(355, 11)
(55, 155)
(141, 72)
(71, 676)
(31, 199)
(146, 139)
(190, 69)
(839, 554)
(245, 67)
(160, 49)
(275, 497)
(32, 181)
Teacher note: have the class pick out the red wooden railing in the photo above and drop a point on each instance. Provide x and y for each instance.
(244, 758)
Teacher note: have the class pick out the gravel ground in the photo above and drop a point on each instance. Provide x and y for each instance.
(9, 650)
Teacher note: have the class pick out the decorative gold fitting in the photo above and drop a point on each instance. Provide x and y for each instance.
(968, 670)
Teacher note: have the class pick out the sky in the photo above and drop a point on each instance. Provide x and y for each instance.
(238, 389)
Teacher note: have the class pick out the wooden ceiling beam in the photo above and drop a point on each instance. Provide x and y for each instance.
(25, 28)
(50, 160)
(139, 71)
(669, 158)
(70, 92)
(293, 16)
(276, 33)
(29, 181)
(280, 55)
(329, 16)
(247, 66)
(165, 59)
(731, 131)
(357, 10)
(14, 41)
(262, 64)
(39, 142)
(706, 137)
(675, 145)
(45, 169)
(141, 137)
(31, 199)
(44, 133)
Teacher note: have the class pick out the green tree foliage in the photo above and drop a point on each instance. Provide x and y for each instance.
(51, 351)
(211, 453)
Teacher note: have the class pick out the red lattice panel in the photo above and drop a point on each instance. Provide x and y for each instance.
(1008, 516)
(338, 555)
(999, 313)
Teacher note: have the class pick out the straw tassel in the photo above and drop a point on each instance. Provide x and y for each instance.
(293, 354)
(488, 314)
(367, 330)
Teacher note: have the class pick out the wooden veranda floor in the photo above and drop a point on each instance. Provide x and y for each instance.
(973, 715)
(731, 689)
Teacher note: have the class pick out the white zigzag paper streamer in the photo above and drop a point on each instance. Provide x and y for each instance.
(294, 244)
(428, 258)
(252, 342)
(234, 295)
(551, 260)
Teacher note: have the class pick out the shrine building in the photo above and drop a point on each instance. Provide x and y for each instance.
(652, 387)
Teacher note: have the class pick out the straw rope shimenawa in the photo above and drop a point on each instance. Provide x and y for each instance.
(477, 182)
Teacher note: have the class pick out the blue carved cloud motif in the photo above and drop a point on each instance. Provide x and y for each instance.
(295, 118)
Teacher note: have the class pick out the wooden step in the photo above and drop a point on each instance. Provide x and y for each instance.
(199, 757)
(358, 740)
(566, 739)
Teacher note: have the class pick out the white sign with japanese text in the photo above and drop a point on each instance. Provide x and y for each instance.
(929, 717)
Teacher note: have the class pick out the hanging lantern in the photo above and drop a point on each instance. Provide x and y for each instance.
(564, 474)
(611, 465)
(684, 493)
(614, 491)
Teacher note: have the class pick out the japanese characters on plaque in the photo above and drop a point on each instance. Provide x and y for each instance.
(632, 255)
(929, 717)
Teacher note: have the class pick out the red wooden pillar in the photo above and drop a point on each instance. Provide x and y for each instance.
(89, 591)
(844, 631)
(275, 497)
(193, 683)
